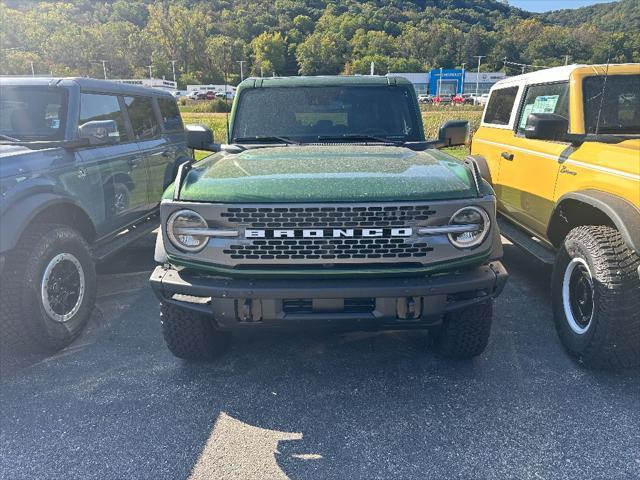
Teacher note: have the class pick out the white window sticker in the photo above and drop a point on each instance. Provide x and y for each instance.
(542, 104)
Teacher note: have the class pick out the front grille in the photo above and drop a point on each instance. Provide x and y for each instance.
(328, 217)
(351, 305)
(329, 249)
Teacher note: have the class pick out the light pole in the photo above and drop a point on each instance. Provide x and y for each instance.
(463, 65)
(33, 72)
(150, 74)
(173, 67)
(439, 82)
(241, 62)
(479, 57)
(104, 68)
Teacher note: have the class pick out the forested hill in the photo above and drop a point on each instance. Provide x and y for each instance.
(621, 16)
(208, 37)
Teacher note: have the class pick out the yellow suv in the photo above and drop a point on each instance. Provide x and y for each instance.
(561, 148)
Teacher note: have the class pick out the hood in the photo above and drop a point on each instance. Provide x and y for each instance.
(19, 160)
(327, 174)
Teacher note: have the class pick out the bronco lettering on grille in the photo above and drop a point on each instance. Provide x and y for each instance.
(329, 233)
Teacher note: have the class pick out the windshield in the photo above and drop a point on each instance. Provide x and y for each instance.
(312, 113)
(620, 112)
(32, 113)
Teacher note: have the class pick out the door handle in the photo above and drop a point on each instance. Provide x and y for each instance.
(507, 156)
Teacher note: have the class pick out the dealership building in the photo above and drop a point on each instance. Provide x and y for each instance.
(451, 81)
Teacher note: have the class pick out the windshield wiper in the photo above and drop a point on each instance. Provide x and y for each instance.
(359, 136)
(266, 139)
(8, 138)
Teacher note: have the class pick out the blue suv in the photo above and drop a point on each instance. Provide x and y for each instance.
(83, 165)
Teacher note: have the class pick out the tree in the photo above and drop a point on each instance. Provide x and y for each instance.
(269, 52)
(322, 54)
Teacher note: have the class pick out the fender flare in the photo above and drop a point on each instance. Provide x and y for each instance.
(623, 214)
(483, 167)
(17, 216)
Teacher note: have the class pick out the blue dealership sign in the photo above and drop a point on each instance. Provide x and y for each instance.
(446, 82)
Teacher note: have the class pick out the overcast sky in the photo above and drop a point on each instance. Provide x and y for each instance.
(546, 5)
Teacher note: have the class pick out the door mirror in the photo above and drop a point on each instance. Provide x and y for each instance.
(454, 133)
(546, 126)
(100, 132)
(200, 137)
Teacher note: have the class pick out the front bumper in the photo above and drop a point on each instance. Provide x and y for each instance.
(370, 302)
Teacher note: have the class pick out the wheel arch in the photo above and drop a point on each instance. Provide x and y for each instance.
(43, 208)
(483, 167)
(594, 207)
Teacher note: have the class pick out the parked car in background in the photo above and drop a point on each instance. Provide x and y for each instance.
(179, 93)
(561, 148)
(457, 100)
(225, 95)
(193, 95)
(211, 95)
(83, 164)
(442, 100)
(336, 211)
(482, 99)
(468, 99)
(424, 98)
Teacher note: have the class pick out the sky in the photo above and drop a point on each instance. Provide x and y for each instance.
(546, 5)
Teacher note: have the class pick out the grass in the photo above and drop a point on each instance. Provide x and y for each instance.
(432, 117)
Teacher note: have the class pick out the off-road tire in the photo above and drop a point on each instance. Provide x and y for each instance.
(612, 339)
(465, 333)
(24, 321)
(190, 335)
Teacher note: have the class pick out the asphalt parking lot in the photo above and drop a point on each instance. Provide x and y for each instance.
(324, 405)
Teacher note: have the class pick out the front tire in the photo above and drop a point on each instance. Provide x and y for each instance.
(190, 335)
(48, 288)
(596, 297)
(465, 333)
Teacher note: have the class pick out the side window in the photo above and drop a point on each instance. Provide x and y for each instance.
(171, 120)
(500, 106)
(94, 106)
(143, 118)
(549, 98)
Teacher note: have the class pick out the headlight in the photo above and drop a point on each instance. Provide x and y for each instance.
(180, 230)
(470, 217)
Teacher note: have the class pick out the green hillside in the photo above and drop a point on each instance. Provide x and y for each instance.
(208, 37)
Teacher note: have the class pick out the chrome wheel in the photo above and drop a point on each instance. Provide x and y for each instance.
(577, 295)
(63, 287)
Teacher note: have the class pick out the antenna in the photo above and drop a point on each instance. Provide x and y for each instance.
(226, 98)
(604, 90)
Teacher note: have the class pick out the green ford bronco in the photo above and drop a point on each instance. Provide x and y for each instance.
(328, 207)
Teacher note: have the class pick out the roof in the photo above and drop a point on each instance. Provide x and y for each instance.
(92, 84)
(559, 74)
(322, 81)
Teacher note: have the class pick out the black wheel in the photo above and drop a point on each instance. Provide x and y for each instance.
(596, 297)
(48, 288)
(465, 333)
(190, 335)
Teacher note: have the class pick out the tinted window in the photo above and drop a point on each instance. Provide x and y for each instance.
(170, 114)
(32, 113)
(552, 98)
(311, 112)
(500, 106)
(95, 107)
(143, 117)
(620, 101)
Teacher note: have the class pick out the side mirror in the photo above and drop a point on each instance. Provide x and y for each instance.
(546, 126)
(454, 133)
(200, 137)
(99, 132)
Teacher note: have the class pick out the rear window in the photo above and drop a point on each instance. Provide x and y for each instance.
(143, 117)
(613, 106)
(171, 120)
(500, 105)
(95, 107)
